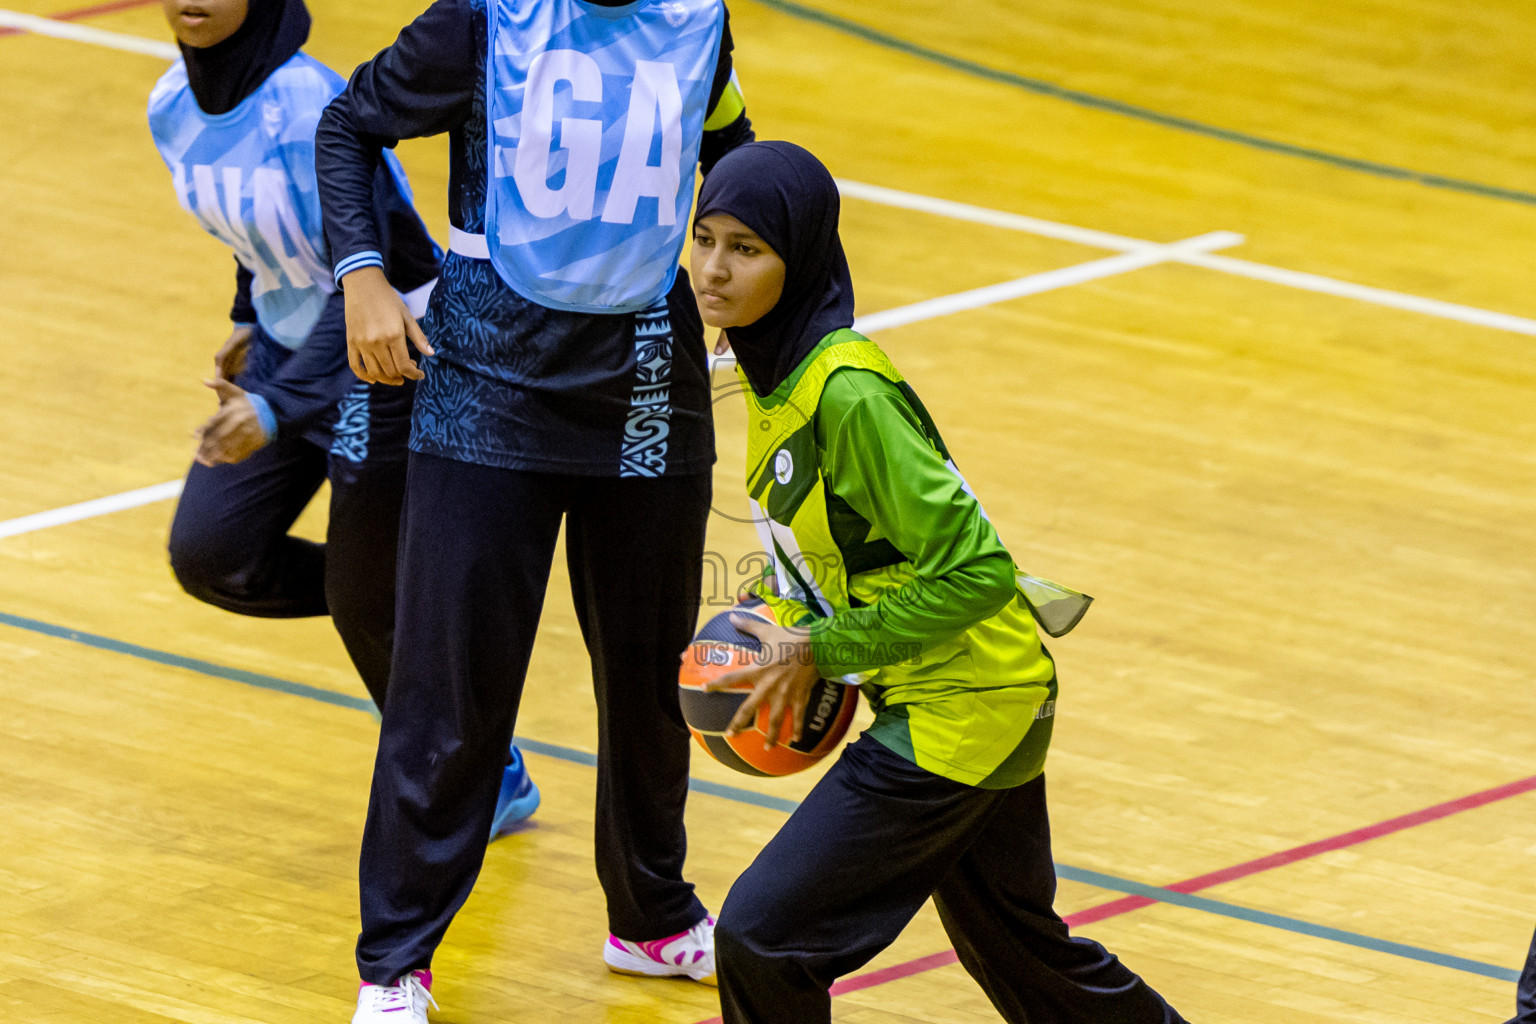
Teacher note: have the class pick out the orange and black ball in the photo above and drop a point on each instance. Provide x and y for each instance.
(720, 648)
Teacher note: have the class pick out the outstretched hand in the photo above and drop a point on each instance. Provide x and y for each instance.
(784, 680)
(234, 433)
(229, 360)
(378, 326)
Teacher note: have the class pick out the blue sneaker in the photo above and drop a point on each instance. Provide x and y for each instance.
(518, 798)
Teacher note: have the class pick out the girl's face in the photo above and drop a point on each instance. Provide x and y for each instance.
(204, 23)
(736, 277)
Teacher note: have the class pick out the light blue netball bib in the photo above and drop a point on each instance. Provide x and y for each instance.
(596, 115)
(248, 176)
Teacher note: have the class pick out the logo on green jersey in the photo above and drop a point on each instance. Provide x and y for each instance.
(783, 466)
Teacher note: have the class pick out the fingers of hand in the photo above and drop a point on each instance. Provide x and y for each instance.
(377, 367)
(230, 359)
(205, 449)
(230, 440)
(418, 336)
(243, 444)
(737, 678)
(390, 359)
(383, 354)
(211, 436)
(234, 362)
(746, 714)
(355, 360)
(210, 454)
(767, 688)
(751, 624)
(778, 702)
(404, 365)
(376, 349)
(218, 425)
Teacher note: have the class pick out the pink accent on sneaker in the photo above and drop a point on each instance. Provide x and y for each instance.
(410, 994)
(654, 948)
(425, 977)
(689, 953)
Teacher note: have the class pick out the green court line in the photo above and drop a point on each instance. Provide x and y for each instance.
(1041, 87)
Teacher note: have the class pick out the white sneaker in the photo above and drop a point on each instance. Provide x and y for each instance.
(689, 954)
(378, 1004)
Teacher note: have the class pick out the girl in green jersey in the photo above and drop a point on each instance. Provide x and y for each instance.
(886, 574)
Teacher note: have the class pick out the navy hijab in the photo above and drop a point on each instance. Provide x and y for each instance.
(225, 73)
(789, 199)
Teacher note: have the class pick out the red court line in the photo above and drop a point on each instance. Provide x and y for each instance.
(1308, 850)
(92, 11)
(1126, 904)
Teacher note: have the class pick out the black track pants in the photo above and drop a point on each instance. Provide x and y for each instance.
(477, 544)
(875, 838)
(230, 546)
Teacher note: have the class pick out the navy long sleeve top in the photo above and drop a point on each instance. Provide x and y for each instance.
(515, 384)
(431, 81)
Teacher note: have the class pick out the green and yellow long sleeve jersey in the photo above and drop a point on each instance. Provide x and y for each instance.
(882, 552)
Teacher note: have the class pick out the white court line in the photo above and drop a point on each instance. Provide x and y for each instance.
(1046, 281)
(1148, 255)
(89, 509)
(944, 305)
(1136, 253)
(995, 218)
(85, 34)
(1223, 264)
(1362, 292)
(965, 211)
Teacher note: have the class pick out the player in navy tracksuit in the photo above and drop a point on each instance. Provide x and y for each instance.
(234, 121)
(568, 383)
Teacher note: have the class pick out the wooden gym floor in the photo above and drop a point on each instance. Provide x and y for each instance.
(1297, 473)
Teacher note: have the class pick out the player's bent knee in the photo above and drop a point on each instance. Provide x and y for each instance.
(730, 948)
(763, 952)
(748, 925)
(207, 569)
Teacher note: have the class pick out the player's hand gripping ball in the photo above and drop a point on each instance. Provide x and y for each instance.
(710, 701)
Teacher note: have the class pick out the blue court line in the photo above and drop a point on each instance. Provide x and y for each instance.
(237, 675)
(1290, 924)
(207, 668)
(741, 796)
(747, 796)
(1085, 99)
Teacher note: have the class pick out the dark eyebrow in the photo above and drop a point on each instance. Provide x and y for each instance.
(731, 236)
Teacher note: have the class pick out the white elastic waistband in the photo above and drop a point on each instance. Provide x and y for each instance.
(416, 298)
(465, 244)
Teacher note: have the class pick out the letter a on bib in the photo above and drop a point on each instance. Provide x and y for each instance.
(595, 119)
